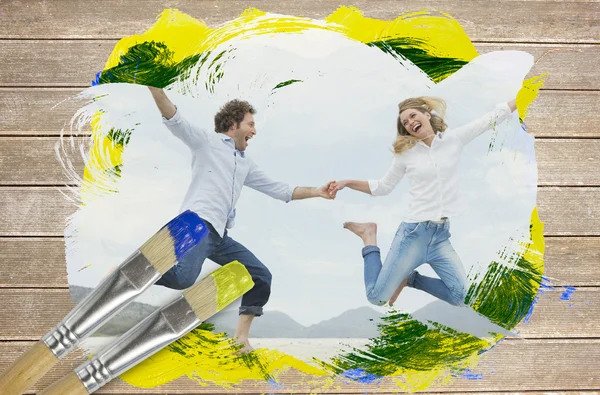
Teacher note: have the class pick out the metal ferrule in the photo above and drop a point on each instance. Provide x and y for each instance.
(146, 338)
(126, 282)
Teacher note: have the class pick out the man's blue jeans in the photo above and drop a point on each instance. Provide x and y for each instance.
(414, 245)
(222, 250)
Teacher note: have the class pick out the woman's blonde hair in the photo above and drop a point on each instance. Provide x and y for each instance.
(434, 106)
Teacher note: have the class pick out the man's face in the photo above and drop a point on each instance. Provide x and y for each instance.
(244, 132)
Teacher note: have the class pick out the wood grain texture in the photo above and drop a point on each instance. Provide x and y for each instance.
(540, 21)
(30, 313)
(29, 111)
(52, 49)
(33, 262)
(40, 262)
(503, 370)
(33, 161)
(42, 211)
(43, 63)
(39, 111)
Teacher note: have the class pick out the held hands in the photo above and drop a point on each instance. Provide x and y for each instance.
(329, 190)
(334, 187)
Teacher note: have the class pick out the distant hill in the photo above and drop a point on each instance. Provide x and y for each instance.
(123, 321)
(356, 323)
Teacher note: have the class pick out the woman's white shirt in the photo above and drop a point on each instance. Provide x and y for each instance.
(432, 171)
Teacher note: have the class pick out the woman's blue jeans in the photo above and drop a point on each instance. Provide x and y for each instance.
(416, 244)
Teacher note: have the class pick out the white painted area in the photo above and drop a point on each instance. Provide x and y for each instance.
(339, 122)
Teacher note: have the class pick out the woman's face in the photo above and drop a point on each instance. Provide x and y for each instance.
(417, 123)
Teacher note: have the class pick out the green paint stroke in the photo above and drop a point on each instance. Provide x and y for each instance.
(416, 51)
(149, 63)
(406, 343)
(119, 137)
(285, 83)
(504, 295)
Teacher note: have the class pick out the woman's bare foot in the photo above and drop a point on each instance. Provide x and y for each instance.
(366, 231)
(403, 284)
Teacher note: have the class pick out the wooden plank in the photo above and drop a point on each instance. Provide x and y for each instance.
(42, 211)
(30, 313)
(32, 262)
(33, 161)
(564, 64)
(29, 111)
(568, 162)
(40, 262)
(547, 21)
(533, 365)
(34, 211)
(549, 114)
(572, 260)
(38, 111)
(569, 211)
(74, 63)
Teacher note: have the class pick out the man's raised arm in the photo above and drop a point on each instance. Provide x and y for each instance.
(165, 106)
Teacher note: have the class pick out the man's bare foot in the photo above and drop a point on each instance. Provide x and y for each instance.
(366, 231)
(246, 347)
(403, 284)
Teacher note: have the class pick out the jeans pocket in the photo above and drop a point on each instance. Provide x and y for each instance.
(410, 228)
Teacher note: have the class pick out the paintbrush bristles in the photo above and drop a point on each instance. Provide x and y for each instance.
(202, 298)
(219, 289)
(160, 250)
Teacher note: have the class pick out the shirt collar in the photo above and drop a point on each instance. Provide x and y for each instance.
(229, 141)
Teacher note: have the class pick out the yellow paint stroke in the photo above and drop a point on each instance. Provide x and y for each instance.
(104, 157)
(212, 358)
(85, 267)
(186, 36)
(231, 281)
(534, 249)
(528, 93)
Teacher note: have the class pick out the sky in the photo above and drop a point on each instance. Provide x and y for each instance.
(338, 122)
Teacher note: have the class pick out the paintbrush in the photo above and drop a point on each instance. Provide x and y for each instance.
(138, 272)
(201, 301)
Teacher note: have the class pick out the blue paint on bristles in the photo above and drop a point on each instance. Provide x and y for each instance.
(566, 295)
(361, 376)
(187, 230)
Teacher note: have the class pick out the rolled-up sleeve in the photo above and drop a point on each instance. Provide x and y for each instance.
(475, 128)
(386, 185)
(193, 136)
(258, 180)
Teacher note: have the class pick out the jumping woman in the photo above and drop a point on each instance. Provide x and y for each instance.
(428, 154)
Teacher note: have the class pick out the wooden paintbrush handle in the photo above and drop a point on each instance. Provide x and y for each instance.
(68, 385)
(26, 370)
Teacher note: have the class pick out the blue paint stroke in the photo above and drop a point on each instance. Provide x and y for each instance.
(566, 295)
(544, 286)
(97, 80)
(469, 375)
(275, 384)
(187, 230)
(361, 376)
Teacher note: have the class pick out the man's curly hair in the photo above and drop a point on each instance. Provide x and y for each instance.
(232, 114)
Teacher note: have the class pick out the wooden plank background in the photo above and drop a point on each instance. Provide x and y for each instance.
(52, 49)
